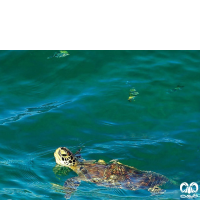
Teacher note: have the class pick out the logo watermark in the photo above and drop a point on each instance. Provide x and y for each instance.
(191, 190)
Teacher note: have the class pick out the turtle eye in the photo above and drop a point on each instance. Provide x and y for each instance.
(64, 154)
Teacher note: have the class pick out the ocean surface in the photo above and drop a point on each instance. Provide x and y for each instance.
(81, 101)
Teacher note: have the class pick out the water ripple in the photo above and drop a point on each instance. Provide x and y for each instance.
(21, 192)
(33, 111)
(136, 143)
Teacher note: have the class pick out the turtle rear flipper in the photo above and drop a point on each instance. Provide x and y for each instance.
(156, 190)
(71, 186)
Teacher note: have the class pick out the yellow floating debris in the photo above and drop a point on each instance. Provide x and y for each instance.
(133, 93)
(102, 162)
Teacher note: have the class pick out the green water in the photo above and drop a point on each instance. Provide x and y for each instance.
(81, 100)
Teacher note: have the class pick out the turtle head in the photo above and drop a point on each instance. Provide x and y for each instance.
(65, 157)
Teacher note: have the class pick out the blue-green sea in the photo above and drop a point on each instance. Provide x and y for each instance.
(81, 101)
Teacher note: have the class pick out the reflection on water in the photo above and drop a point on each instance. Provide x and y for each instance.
(29, 168)
(33, 111)
(21, 192)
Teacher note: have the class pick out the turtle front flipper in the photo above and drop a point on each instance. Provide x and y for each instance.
(81, 160)
(78, 154)
(71, 186)
(156, 190)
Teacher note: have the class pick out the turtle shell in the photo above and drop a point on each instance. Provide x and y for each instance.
(120, 176)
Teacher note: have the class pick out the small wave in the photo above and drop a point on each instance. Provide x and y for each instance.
(108, 123)
(22, 192)
(33, 111)
(32, 175)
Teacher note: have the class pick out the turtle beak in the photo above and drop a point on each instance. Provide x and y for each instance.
(57, 157)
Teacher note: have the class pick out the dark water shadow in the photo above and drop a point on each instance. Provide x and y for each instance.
(33, 111)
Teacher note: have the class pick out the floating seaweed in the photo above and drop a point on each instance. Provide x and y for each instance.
(133, 93)
(60, 54)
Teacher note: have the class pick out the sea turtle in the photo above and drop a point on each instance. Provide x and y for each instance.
(60, 54)
(113, 174)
